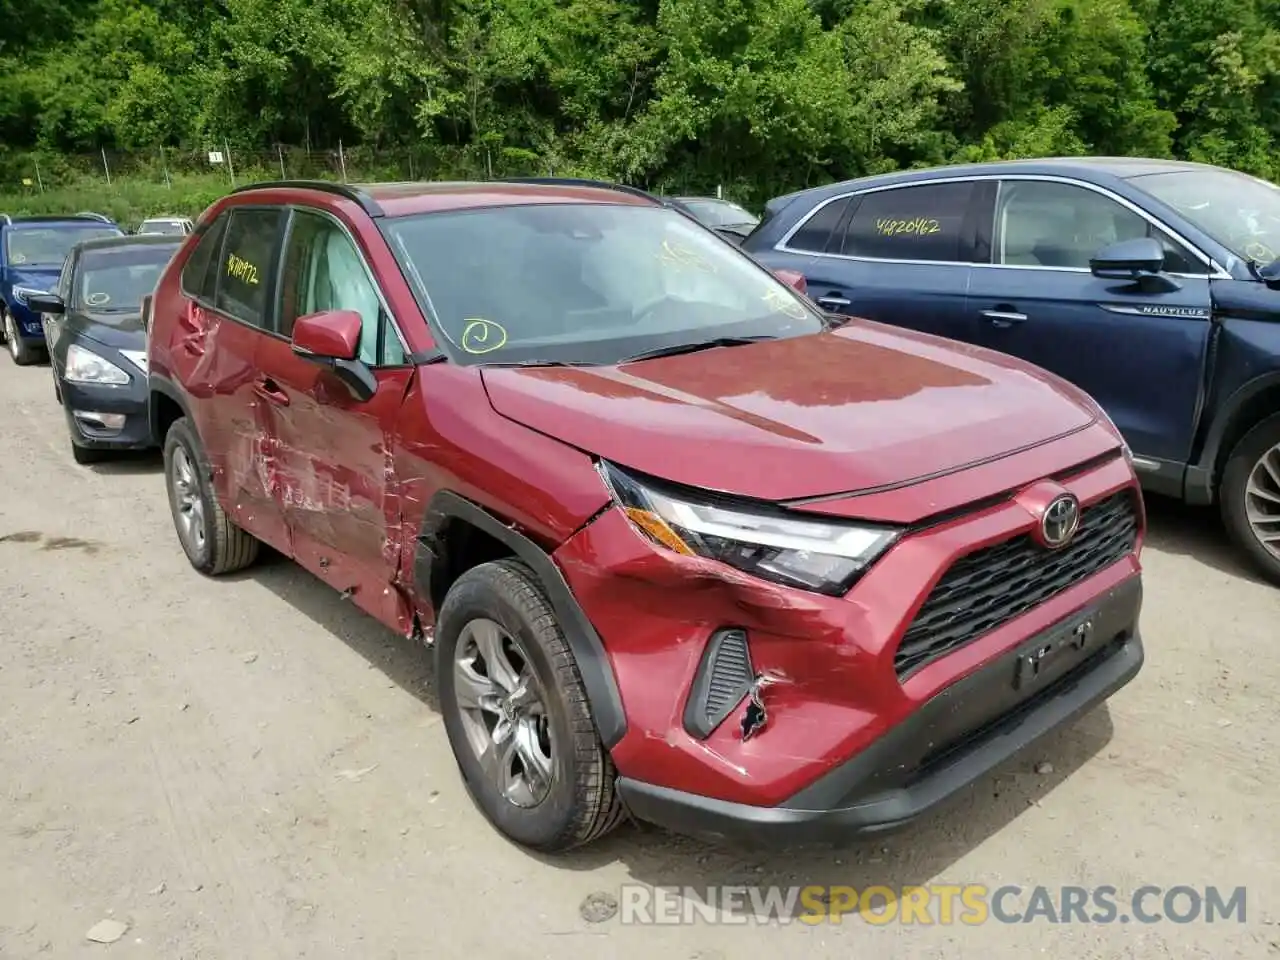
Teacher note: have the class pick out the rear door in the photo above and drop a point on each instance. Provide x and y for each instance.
(227, 285)
(902, 255)
(334, 454)
(1141, 354)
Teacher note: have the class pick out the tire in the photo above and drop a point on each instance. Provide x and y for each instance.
(224, 547)
(1246, 463)
(23, 354)
(86, 455)
(581, 803)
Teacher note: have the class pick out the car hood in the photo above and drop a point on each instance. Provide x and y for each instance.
(863, 407)
(35, 277)
(123, 331)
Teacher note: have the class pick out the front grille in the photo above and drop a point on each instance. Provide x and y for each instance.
(988, 588)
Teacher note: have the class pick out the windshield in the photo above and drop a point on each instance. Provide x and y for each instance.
(719, 213)
(168, 228)
(1241, 212)
(48, 246)
(587, 283)
(117, 280)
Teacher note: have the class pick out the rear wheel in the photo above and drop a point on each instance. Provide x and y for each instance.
(1250, 496)
(22, 352)
(213, 544)
(517, 715)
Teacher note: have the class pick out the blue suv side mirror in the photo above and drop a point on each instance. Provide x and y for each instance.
(1129, 260)
(1139, 261)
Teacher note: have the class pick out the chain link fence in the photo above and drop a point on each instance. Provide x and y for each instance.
(36, 173)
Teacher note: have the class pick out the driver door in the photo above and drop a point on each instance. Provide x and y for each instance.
(335, 453)
(1140, 354)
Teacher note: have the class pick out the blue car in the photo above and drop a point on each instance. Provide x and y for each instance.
(1153, 285)
(32, 252)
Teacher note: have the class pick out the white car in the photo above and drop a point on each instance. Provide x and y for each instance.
(168, 226)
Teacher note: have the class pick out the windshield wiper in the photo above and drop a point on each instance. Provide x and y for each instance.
(697, 345)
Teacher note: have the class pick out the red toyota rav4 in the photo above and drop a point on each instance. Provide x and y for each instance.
(685, 547)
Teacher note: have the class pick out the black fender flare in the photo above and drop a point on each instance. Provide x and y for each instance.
(166, 387)
(588, 649)
(1213, 440)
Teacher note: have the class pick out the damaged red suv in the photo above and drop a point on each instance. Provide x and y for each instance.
(686, 548)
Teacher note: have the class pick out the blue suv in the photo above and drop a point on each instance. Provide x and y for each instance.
(1153, 285)
(32, 252)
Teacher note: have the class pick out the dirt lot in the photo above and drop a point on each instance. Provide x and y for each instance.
(250, 768)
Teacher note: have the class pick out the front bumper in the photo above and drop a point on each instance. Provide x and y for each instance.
(83, 403)
(955, 738)
(836, 687)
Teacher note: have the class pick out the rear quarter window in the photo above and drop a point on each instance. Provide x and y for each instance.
(815, 233)
(198, 280)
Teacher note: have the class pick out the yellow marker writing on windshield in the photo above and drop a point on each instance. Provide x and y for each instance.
(785, 305)
(483, 336)
(683, 257)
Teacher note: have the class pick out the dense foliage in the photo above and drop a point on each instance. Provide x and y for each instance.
(759, 95)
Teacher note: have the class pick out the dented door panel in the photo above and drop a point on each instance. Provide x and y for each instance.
(329, 464)
(214, 359)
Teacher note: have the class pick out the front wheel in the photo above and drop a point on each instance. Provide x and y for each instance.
(517, 715)
(212, 543)
(23, 354)
(1250, 497)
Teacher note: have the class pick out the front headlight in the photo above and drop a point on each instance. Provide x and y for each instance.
(22, 294)
(85, 366)
(799, 552)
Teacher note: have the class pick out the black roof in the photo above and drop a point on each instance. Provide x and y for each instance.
(129, 241)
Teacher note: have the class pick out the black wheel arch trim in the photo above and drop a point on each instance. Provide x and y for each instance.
(167, 388)
(1212, 449)
(604, 698)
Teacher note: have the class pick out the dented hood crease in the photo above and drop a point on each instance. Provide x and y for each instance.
(863, 407)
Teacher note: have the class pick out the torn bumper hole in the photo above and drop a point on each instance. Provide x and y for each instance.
(725, 677)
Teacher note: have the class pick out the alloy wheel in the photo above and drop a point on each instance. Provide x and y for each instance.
(1262, 500)
(11, 334)
(503, 713)
(188, 502)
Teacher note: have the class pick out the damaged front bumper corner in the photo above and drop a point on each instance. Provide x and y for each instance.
(880, 789)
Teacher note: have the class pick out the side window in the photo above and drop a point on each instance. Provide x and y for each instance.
(1048, 224)
(923, 222)
(64, 280)
(815, 233)
(324, 271)
(244, 272)
(198, 279)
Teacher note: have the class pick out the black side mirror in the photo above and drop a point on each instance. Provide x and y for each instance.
(1139, 261)
(45, 303)
(1268, 273)
(1129, 260)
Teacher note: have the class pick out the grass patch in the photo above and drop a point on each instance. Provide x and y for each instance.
(127, 200)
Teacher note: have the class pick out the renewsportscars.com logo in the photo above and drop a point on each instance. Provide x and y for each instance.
(938, 904)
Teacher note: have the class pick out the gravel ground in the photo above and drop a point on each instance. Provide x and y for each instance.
(251, 768)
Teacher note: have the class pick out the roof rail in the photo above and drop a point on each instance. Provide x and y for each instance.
(61, 218)
(344, 190)
(583, 182)
(5, 218)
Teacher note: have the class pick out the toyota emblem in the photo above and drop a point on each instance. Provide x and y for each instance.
(1060, 522)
